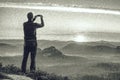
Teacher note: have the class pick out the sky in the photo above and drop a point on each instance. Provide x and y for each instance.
(60, 16)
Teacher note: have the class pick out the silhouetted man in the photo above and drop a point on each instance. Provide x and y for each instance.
(30, 40)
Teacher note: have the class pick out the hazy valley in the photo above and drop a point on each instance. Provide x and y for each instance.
(67, 57)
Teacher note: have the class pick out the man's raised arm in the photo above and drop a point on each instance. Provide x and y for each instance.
(42, 21)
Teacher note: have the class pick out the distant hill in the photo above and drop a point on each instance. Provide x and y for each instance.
(89, 47)
(5, 45)
(51, 52)
(12, 47)
(6, 49)
(47, 43)
(102, 43)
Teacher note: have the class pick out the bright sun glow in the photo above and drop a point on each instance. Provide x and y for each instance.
(80, 38)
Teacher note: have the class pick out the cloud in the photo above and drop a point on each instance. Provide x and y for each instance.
(55, 7)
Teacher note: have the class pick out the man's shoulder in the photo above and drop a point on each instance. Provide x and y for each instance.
(29, 22)
(25, 22)
(36, 24)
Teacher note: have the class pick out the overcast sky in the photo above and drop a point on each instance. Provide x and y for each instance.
(114, 4)
(69, 17)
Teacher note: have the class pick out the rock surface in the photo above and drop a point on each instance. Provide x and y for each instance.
(19, 77)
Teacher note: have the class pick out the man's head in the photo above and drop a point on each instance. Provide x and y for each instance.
(30, 16)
